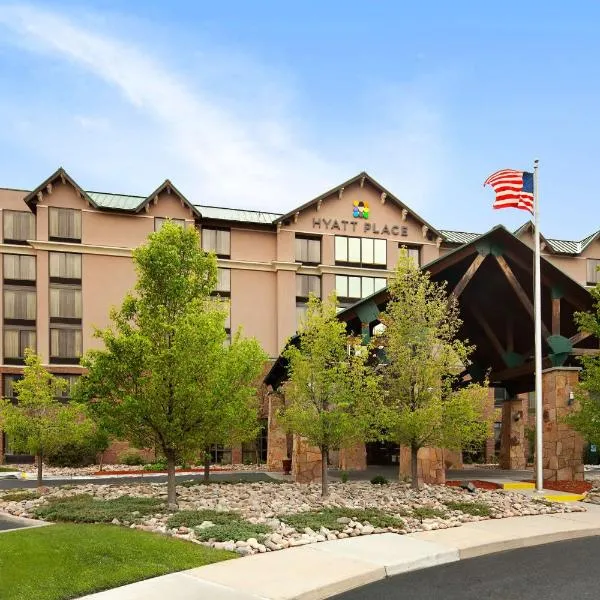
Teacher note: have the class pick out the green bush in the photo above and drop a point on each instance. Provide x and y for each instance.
(18, 496)
(428, 512)
(328, 518)
(158, 465)
(237, 530)
(379, 480)
(78, 454)
(477, 509)
(191, 518)
(83, 508)
(344, 477)
(132, 458)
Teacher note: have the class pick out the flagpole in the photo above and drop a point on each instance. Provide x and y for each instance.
(537, 304)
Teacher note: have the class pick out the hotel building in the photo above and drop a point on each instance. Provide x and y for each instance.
(66, 260)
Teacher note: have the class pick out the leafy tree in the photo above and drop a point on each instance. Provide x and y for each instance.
(424, 357)
(38, 423)
(585, 419)
(166, 378)
(331, 394)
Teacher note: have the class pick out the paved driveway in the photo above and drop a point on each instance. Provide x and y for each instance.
(7, 524)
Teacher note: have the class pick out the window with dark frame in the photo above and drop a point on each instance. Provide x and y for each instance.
(160, 221)
(305, 286)
(414, 253)
(20, 305)
(308, 250)
(64, 267)
(66, 392)
(217, 241)
(8, 390)
(18, 226)
(223, 282)
(64, 224)
(66, 344)
(350, 288)
(19, 269)
(593, 275)
(362, 252)
(16, 341)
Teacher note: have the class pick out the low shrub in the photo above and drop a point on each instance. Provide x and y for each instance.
(77, 454)
(84, 508)
(237, 530)
(477, 509)
(428, 512)
(131, 458)
(344, 477)
(7, 469)
(19, 496)
(379, 480)
(158, 465)
(328, 517)
(191, 518)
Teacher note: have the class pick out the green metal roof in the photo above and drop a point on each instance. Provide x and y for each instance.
(458, 237)
(116, 201)
(236, 214)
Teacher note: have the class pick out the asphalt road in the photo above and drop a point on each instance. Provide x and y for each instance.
(556, 571)
(10, 484)
(6, 524)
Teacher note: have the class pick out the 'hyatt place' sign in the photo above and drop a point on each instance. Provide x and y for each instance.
(351, 226)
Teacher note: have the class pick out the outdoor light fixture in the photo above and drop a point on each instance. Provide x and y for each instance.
(517, 416)
(570, 399)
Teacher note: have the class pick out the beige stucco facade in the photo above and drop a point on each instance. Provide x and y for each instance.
(261, 256)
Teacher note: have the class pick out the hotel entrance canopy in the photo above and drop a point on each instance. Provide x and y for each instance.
(492, 278)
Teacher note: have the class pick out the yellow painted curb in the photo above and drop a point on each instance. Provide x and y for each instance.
(518, 485)
(564, 497)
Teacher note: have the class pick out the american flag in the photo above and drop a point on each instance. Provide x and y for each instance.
(514, 189)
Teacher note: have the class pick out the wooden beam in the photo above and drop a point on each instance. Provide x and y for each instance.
(510, 333)
(579, 337)
(467, 276)
(516, 286)
(555, 316)
(520, 371)
(585, 351)
(451, 259)
(489, 332)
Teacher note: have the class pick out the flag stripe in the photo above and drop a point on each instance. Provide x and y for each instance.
(508, 185)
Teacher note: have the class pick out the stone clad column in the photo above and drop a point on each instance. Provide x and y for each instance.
(276, 436)
(512, 448)
(430, 465)
(306, 461)
(353, 458)
(563, 447)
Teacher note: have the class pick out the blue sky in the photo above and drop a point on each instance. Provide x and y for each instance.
(265, 104)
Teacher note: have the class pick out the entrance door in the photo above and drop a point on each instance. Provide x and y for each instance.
(382, 453)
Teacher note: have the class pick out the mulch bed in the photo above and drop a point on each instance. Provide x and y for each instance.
(571, 487)
(142, 472)
(482, 485)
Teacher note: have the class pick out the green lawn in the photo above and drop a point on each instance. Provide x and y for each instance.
(67, 561)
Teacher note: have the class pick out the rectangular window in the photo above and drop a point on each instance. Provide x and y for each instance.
(8, 387)
(349, 287)
(217, 241)
(499, 396)
(308, 284)
(70, 381)
(361, 251)
(160, 221)
(65, 344)
(593, 276)
(301, 310)
(19, 267)
(64, 224)
(19, 304)
(223, 281)
(65, 266)
(15, 342)
(65, 302)
(531, 401)
(414, 253)
(308, 250)
(19, 226)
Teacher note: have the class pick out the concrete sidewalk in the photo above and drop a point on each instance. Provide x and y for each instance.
(324, 569)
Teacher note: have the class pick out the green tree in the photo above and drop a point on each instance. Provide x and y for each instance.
(166, 378)
(331, 394)
(39, 423)
(423, 360)
(585, 419)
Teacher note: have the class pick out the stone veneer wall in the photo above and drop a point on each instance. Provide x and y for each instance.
(277, 439)
(512, 448)
(563, 447)
(306, 461)
(430, 465)
(353, 458)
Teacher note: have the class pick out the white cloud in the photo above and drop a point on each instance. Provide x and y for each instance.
(243, 150)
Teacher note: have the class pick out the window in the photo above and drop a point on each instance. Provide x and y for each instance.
(255, 451)
(70, 381)
(19, 226)
(64, 224)
(361, 251)
(65, 302)
(301, 310)
(160, 221)
(19, 267)
(217, 241)
(220, 455)
(19, 304)
(9, 389)
(65, 344)
(15, 342)
(223, 282)
(531, 401)
(306, 285)
(593, 276)
(65, 266)
(354, 288)
(414, 253)
(499, 397)
(308, 250)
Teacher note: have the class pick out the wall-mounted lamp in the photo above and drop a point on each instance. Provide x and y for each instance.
(570, 399)
(517, 416)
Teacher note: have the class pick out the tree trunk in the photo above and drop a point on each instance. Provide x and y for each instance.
(206, 478)
(324, 479)
(40, 467)
(414, 467)
(171, 491)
